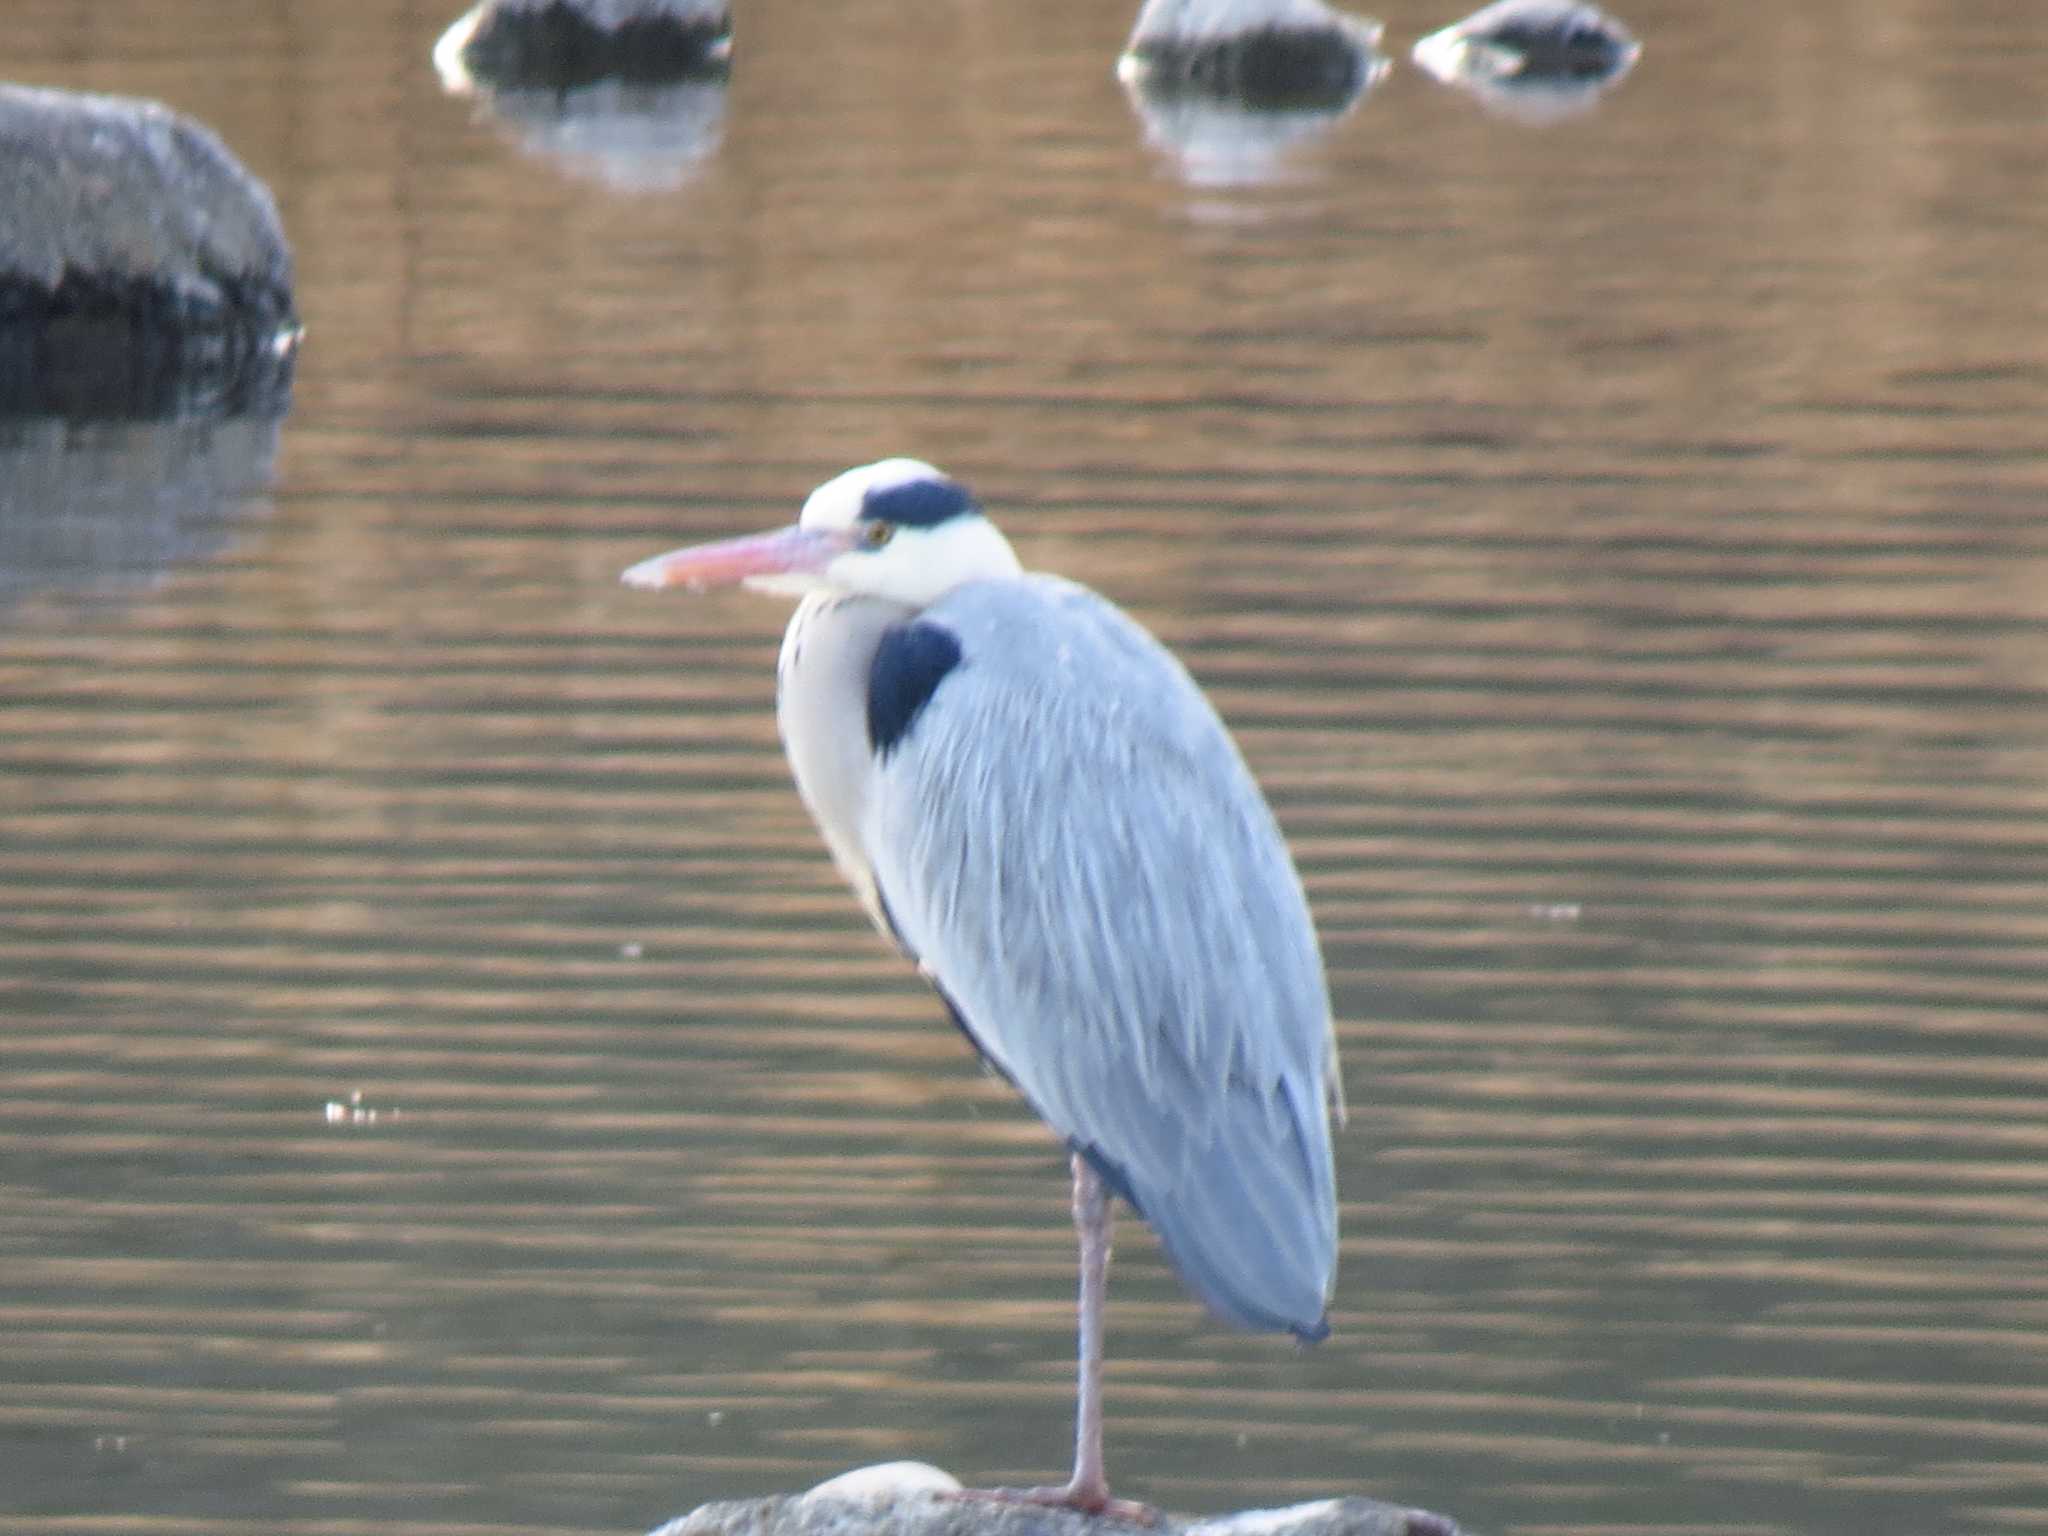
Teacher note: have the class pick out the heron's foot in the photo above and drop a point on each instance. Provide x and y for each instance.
(1084, 1498)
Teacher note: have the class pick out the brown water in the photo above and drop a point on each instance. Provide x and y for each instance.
(444, 1087)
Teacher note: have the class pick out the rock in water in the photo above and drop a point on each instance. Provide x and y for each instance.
(917, 1512)
(1265, 53)
(114, 206)
(1534, 60)
(1533, 40)
(560, 44)
(630, 92)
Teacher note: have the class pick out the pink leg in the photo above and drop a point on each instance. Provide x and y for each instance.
(1088, 1489)
(1089, 1486)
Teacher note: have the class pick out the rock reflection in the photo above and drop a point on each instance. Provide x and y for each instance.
(639, 106)
(97, 504)
(1228, 91)
(107, 479)
(634, 138)
(1223, 143)
(1531, 60)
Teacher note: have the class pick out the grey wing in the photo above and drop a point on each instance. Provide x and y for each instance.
(1070, 845)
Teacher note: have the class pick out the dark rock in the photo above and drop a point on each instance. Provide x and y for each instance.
(922, 1512)
(1227, 88)
(561, 44)
(142, 270)
(1263, 54)
(1541, 39)
(122, 208)
(1531, 59)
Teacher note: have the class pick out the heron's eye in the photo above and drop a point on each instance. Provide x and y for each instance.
(875, 535)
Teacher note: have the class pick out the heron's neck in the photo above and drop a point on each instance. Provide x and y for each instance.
(821, 698)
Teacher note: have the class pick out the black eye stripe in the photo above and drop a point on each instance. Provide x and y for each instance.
(916, 503)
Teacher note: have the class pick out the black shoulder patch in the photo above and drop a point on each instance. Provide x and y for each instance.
(910, 663)
(916, 503)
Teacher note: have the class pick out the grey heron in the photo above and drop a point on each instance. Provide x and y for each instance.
(1035, 801)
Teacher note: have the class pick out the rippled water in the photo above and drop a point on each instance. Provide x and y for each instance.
(443, 1084)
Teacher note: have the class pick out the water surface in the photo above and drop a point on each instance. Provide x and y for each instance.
(443, 1084)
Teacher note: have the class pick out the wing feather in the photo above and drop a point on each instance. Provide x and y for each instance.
(1070, 844)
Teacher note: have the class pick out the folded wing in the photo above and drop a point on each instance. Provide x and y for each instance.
(1068, 842)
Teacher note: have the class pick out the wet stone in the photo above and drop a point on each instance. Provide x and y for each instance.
(561, 44)
(130, 231)
(1274, 53)
(916, 1509)
(1531, 41)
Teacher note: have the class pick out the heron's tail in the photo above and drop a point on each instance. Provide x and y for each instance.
(1250, 1223)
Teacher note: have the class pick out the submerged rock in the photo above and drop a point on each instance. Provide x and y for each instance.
(1228, 88)
(1534, 40)
(906, 1503)
(1281, 54)
(560, 44)
(131, 242)
(627, 92)
(1532, 59)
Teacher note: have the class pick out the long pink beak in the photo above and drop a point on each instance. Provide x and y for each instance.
(794, 551)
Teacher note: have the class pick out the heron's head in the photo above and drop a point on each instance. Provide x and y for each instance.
(898, 529)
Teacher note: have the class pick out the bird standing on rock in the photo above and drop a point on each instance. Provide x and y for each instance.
(1036, 802)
